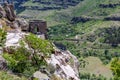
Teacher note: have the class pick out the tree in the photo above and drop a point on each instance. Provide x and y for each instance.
(115, 67)
(111, 35)
(39, 45)
(18, 60)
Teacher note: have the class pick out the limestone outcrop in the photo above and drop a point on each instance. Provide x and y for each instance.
(61, 64)
(7, 12)
(40, 76)
(65, 64)
(23, 24)
(9, 9)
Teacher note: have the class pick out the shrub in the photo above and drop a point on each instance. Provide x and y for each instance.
(2, 37)
(115, 67)
(6, 76)
(110, 35)
(27, 61)
(39, 45)
(88, 76)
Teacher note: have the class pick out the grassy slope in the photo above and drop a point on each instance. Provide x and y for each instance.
(95, 66)
(86, 8)
(91, 8)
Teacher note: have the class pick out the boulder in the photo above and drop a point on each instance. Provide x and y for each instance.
(23, 24)
(40, 76)
(13, 38)
(51, 68)
(14, 25)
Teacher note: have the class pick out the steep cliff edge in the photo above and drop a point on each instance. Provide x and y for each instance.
(61, 65)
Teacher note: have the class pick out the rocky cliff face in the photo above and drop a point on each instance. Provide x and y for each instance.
(8, 15)
(66, 65)
(62, 64)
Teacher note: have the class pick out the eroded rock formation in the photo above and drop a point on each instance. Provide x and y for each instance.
(7, 12)
(9, 9)
(64, 64)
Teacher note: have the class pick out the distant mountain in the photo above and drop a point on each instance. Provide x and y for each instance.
(43, 5)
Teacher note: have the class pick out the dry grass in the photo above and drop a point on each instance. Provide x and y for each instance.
(95, 66)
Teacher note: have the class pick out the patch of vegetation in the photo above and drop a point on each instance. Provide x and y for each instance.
(91, 39)
(88, 76)
(39, 45)
(25, 61)
(61, 32)
(2, 37)
(110, 35)
(115, 66)
(95, 66)
(6, 76)
(19, 62)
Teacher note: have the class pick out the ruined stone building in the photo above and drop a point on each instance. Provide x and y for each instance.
(38, 26)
